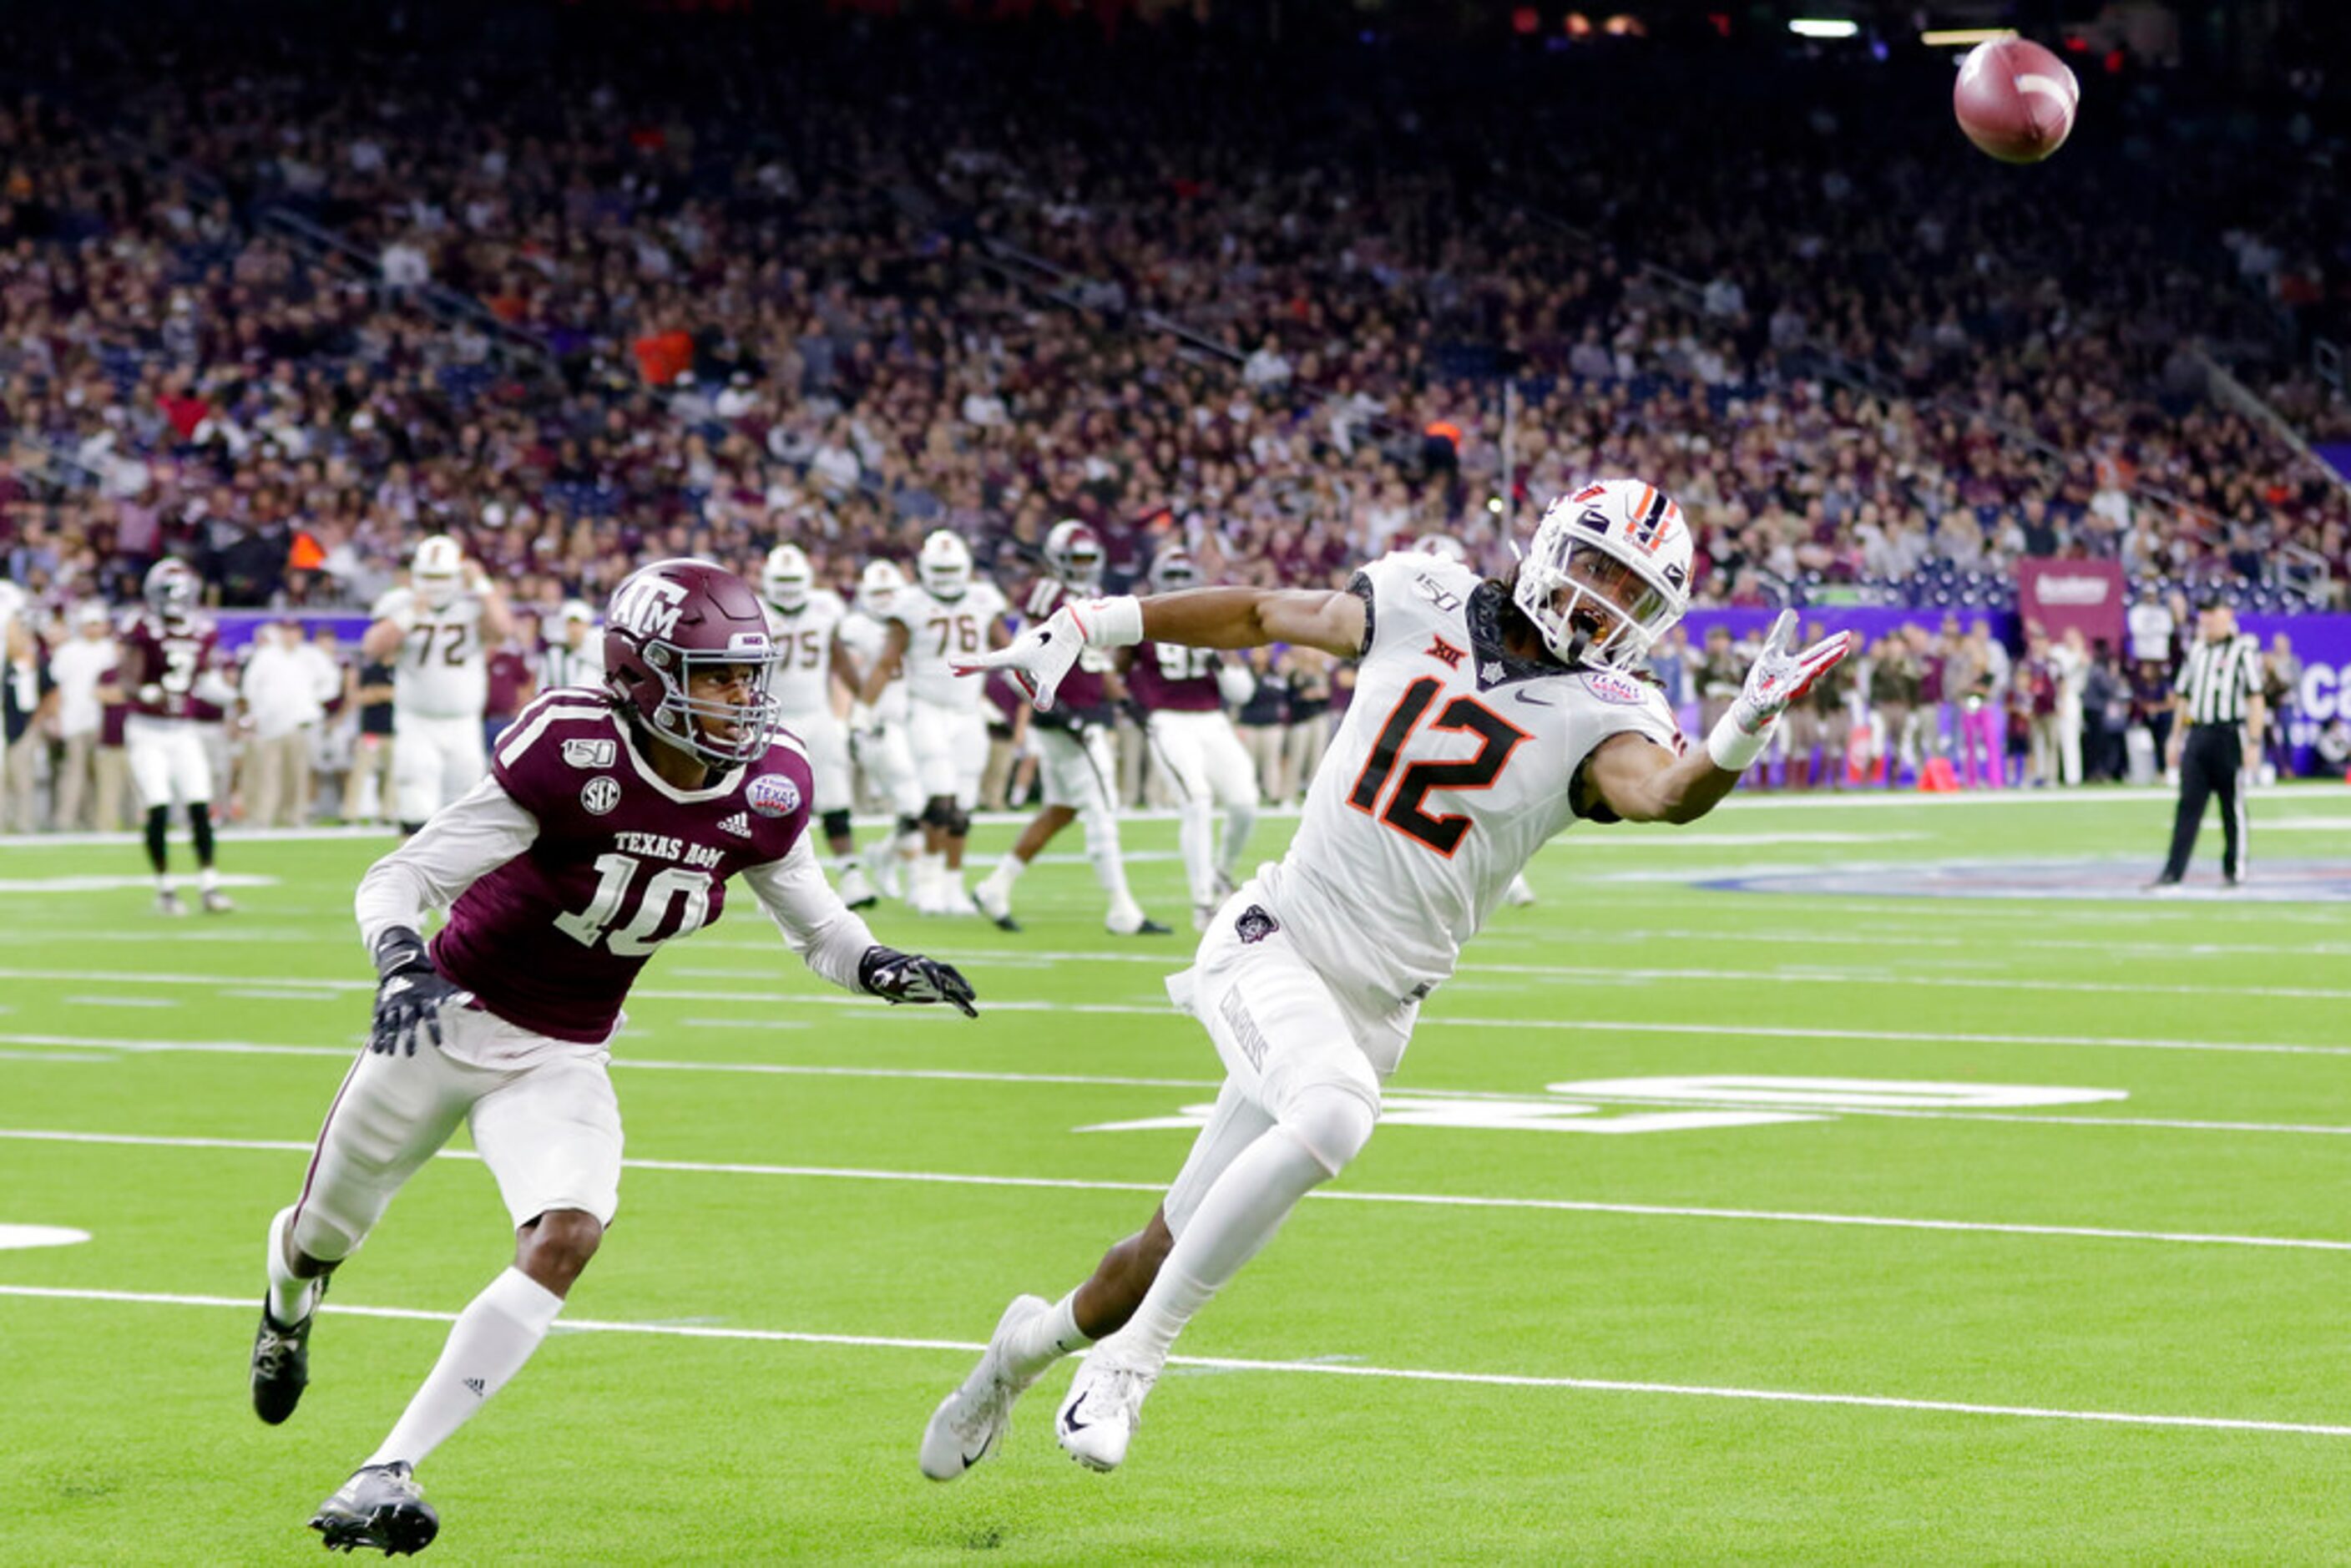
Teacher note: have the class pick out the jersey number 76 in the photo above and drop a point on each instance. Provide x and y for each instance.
(1404, 812)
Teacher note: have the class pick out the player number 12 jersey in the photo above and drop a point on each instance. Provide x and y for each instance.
(1453, 766)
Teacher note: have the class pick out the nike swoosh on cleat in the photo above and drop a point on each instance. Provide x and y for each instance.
(1069, 1422)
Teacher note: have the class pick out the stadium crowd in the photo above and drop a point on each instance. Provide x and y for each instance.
(293, 302)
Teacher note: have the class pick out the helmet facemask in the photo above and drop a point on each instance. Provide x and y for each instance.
(683, 719)
(1591, 604)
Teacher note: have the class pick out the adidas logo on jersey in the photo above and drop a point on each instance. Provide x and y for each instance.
(739, 824)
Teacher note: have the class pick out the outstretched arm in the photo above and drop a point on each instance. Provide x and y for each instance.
(832, 940)
(1632, 777)
(1335, 622)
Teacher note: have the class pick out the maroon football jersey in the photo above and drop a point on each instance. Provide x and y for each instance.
(169, 656)
(553, 939)
(1168, 677)
(1080, 693)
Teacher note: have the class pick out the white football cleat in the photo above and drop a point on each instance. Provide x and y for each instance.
(969, 1424)
(996, 903)
(857, 889)
(1518, 895)
(1104, 1407)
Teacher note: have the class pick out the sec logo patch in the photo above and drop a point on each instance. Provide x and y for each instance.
(598, 796)
(773, 795)
(1611, 687)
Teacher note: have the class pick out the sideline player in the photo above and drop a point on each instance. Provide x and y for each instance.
(168, 673)
(877, 730)
(805, 620)
(1489, 716)
(611, 822)
(433, 632)
(1074, 756)
(947, 617)
(1181, 693)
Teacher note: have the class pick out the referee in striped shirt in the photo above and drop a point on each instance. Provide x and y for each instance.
(2218, 741)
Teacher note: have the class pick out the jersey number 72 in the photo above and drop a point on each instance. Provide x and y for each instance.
(1404, 814)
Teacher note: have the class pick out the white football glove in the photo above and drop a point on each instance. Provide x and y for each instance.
(1779, 678)
(1041, 657)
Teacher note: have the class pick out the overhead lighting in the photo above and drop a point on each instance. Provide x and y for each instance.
(1962, 37)
(1822, 27)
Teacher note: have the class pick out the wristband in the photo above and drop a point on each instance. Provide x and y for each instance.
(1110, 623)
(1732, 748)
(397, 950)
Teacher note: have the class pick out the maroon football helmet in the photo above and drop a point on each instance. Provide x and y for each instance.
(170, 588)
(671, 618)
(1073, 554)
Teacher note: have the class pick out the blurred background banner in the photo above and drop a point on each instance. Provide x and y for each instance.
(2061, 594)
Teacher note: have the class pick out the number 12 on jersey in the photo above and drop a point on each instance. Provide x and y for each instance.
(1500, 739)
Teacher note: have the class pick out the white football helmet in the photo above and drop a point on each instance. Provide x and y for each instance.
(1174, 568)
(1608, 573)
(438, 571)
(786, 580)
(878, 587)
(943, 567)
(172, 588)
(1073, 554)
(1443, 546)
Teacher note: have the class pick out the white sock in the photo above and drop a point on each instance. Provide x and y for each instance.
(1045, 1339)
(1196, 836)
(207, 879)
(163, 881)
(1109, 865)
(1242, 1210)
(1007, 872)
(1240, 822)
(290, 1299)
(487, 1345)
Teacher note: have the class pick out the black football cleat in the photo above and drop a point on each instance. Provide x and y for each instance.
(281, 1365)
(381, 1506)
(1149, 927)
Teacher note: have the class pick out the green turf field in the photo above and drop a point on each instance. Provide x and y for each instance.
(1902, 1324)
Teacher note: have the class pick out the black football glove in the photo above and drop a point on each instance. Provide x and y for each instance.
(410, 993)
(896, 976)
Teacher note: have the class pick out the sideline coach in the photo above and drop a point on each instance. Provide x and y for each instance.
(2218, 742)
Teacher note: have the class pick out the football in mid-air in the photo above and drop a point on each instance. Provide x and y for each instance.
(2015, 99)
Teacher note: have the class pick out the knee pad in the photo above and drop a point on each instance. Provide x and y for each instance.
(959, 822)
(909, 823)
(1100, 825)
(836, 824)
(315, 1236)
(940, 813)
(1332, 1118)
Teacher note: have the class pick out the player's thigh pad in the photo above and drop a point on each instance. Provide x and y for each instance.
(464, 758)
(1232, 777)
(191, 769)
(1175, 752)
(970, 757)
(1073, 774)
(931, 732)
(1235, 1121)
(417, 765)
(392, 1113)
(150, 766)
(826, 741)
(1284, 1036)
(551, 1136)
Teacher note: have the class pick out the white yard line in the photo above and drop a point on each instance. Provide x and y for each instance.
(1318, 1367)
(1585, 976)
(1414, 1199)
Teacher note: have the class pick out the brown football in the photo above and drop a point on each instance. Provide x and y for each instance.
(2015, 99)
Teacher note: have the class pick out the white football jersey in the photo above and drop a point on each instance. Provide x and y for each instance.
(865, 637)
(943, 632)
(442, 670)
(804, 680)
(1452, 767)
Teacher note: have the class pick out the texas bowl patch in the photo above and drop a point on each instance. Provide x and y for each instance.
(1611, 687)
(773, 795)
